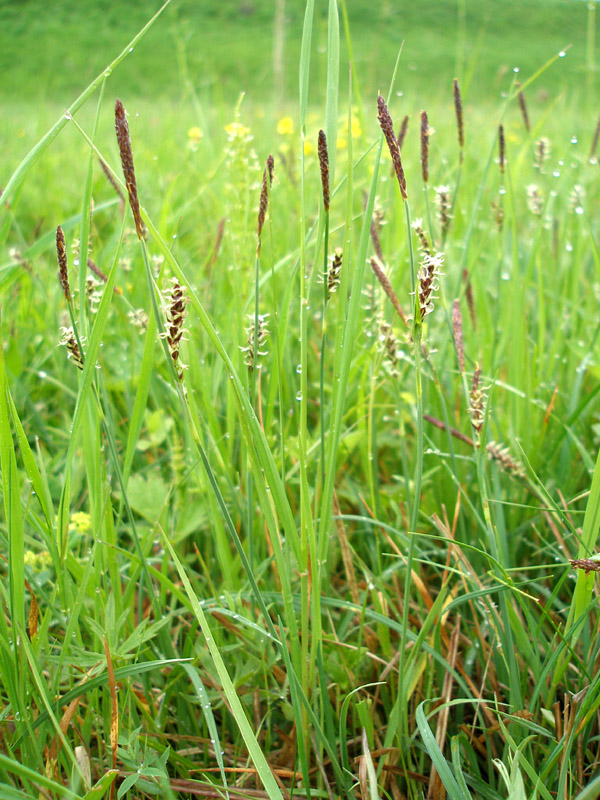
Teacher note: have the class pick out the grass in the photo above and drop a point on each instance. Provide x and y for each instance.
(344, 572)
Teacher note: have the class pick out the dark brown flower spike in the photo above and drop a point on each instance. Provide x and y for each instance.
(459, 117)
(387, 288)
(523, 107)
(63, 269)
(324, 164)
(402, 132)
(469, 295)
(376, 221)
(586, 564)
(501, 149)
(457, 331)
(112, 182)
(124, 142)
(424, 146)
(387, 126)
(267, 182)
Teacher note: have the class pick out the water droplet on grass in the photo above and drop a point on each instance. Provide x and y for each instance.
(298, 395)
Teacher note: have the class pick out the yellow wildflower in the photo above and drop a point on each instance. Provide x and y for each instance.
(341, 143)
(81, 522)
(355, 127)
(194, 136)
(285, 126)
(309, 147)
(37, 561)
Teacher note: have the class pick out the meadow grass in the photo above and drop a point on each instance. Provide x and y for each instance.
(308, 501)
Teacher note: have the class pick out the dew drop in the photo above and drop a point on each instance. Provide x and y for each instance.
(556, 173)
(299, 369)
(562, 54)
(573, 140)
(298, 395)
(516, 69)
(579, 210)
(505, 276)
(502, 190)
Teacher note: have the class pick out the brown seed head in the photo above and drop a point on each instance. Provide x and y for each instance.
(457, 330)
(523, 107)
(459, 116)
(586, 564)
(402, 132)
(63, 269)
(424, 147)
(124, 142)
(501, 148)
(267, 182)
(387, 126)
(376, 222)
(387, 288)
(324, 164)
(112, 182)
(469, 295)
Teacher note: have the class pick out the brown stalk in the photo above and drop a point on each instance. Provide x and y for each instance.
(586, 564)
(387, 288)
(402, 132)
(124, 142)
(267, 182)
(63, 268)
(523, 107)
(424, 146)
(501, 148)
(113, 183)
(459, 117)
(457, 330)
(387, 126)
(469, 296)
(324, 165)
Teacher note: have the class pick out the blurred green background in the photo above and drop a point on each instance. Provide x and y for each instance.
(50, 51)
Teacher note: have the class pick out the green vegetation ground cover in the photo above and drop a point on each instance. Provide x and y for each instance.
(186, 608)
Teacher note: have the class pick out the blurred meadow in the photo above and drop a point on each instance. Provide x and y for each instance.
(299, 466)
